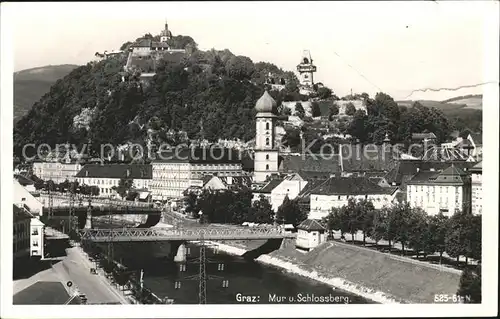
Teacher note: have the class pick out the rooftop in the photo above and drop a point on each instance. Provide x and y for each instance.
(453, 175)
(266, 104)
(350, 186)
(133, 171)
(267, 188)
(200, 155)
(311, 225)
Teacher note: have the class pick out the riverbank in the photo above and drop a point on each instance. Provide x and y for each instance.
(290, 267)
(370, 274)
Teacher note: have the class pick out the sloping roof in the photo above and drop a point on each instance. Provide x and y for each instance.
(477, 138)
(477, 168)
(203, 155)
(408, 168)
(421, 136)
(142, 43)
(135, 171)
(305, 194)
(309, 163)
(20, 214)
(311, 225)
(270, 186)
(367, 158)
(311, 175)
(350, 186)
(23, 180)
(451, 175)
(238, 182)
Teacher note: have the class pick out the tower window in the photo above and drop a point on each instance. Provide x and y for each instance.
(267, 157)
(267, 167)
(267, 125)
(267, 141)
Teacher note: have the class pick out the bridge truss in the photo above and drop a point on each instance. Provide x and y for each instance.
(171, 234)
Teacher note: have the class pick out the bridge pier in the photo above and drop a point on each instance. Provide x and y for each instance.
(88, 222)
(181, 255)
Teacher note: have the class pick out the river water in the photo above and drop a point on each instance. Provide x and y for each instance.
(247, 281)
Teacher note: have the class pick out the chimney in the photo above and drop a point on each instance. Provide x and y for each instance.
(128, 172)
(86, 173)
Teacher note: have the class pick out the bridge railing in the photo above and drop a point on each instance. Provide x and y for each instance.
(137, 234)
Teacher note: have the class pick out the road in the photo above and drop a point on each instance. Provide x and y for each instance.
(95, 287)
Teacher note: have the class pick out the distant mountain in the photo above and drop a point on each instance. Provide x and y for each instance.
(31, 84)
(464, 111)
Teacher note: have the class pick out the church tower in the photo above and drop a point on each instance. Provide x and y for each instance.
(165, 34)
(306, 70)
(266, 152)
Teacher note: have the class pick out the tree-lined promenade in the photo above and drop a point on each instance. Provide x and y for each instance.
(458, 235)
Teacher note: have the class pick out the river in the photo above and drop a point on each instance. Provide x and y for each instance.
(247, 281)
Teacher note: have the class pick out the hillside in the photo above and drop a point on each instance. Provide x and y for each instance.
(463, 111)
(31, 84)
(206, 94)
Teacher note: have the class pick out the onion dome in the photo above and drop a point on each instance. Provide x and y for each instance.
(266, 104)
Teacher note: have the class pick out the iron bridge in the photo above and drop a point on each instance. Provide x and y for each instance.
(181, 234)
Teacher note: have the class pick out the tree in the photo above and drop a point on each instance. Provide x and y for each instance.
(334, 110)
(350, 109)
(419, 233)
(405, 219)
(333, 221)
(94, 191)
(39, 184)
(379, 225)
(262, 212)
(290, 212)
(470, 285)
(73, 187)
(457, 243)
(124, 185)
(286, 111)
(191, 201)
(435, 239)
(315, 110)
(324, 93)
(240, 67)
(365, 214)
(299, 110)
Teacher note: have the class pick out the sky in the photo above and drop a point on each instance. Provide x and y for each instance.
(393, 47)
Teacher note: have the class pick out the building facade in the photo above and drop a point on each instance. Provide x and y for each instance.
(477, 188)
(37, 245)
(310, 234)
(56, 171)
(21, 232)
(336, 192)
(306, 70)
(443, 191)
(108, 176)
(266, 151)
(174, 172)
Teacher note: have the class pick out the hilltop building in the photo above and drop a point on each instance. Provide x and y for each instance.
(165, 34)
(306, 70)
(266, 151)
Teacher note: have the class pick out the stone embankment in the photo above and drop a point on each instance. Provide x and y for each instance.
(370, 274)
